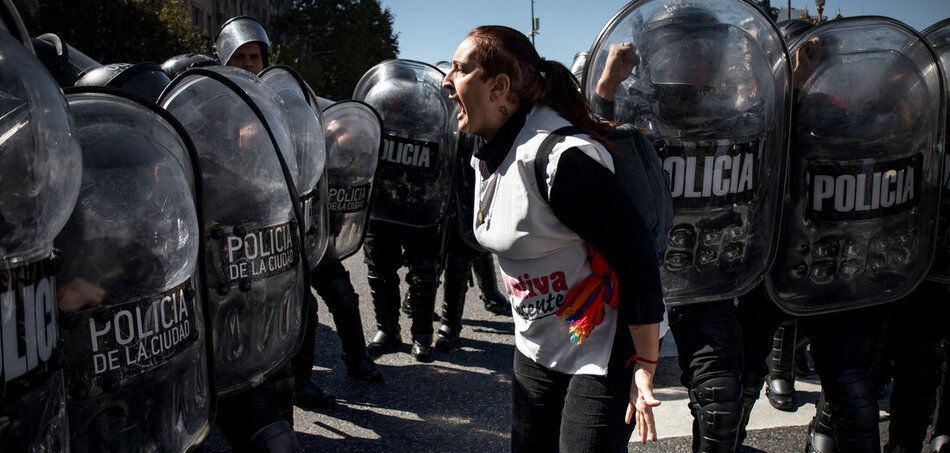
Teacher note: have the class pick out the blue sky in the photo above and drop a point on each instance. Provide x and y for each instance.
(430, 30)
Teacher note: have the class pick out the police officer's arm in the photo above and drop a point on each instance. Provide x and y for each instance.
(79, 294)
(621, 59)
(588, 199)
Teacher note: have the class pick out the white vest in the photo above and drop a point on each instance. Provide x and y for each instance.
(541, 260)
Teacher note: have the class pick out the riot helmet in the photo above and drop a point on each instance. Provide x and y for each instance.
(237, 32)
(12, 24)
(577, 66)
(65, 62)
(142, 79)
(181, 63)
(792, 29)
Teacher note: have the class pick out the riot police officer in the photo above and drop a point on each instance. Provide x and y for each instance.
(413, 183)
(703, 93)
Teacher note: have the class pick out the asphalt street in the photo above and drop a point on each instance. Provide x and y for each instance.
(460, 401)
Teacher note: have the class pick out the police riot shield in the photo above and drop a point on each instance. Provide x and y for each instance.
(354, 138)
(417, 160)
(938, 35)
(254, 268)
(40, 171)
(137, 361)
(712, 90)
(864, 176)
(310, 144)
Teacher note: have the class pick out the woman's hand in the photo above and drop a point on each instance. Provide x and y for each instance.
(642, 402)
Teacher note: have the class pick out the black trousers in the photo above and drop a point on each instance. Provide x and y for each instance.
(387, 248)
(554, 411)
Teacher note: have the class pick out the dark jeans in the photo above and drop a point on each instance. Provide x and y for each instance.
(572, 413)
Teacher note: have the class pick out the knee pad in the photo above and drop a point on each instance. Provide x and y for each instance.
(714, 402)
(277, 437)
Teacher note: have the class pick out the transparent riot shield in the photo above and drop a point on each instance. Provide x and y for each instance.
(417, 159)
(865, 169)
(712, 90)
(137, 358)
(938, 35)
(40, 171)
(309, 142)
(254, 265)
(354, 137)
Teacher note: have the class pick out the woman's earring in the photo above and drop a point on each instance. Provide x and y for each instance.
(503, 110)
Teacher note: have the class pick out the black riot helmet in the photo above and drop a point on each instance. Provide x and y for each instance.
(181, 63)
(237, 32)
(146, 80)
(793, 28)
(65, 62)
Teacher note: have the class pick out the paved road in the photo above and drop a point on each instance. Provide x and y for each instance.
(461, 400)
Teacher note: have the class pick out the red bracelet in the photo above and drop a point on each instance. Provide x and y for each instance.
(637, 360)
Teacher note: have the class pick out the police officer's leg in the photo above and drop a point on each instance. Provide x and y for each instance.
(495, 302)
(839, 342)
(334, 287)
(307, 394)
(781, 362)
(458, 268)
(758, 318)
(820, 430)
(383, 257)
(941, 428)
(710, 356)
(916, 331)
(259, 419)
(423, 250)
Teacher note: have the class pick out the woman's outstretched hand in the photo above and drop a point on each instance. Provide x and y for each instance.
(642, 402)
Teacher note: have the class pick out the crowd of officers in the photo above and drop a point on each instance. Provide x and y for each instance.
(727, 347)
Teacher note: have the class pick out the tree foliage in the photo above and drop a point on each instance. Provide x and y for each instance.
(119, 31)
(332, 43)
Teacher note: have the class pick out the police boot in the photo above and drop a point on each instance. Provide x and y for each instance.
(277, 437)
(854, 412)
(781, 379)
(343, 303)
(803, 362)
(456, 285)
(423, 277)
(385, 291)
(308, 395)
(714, 402)
(820, 432)
(495, 302)
(750, 393)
